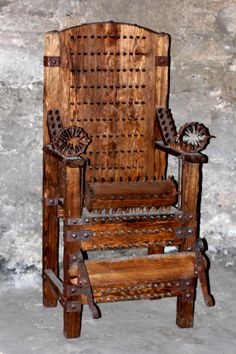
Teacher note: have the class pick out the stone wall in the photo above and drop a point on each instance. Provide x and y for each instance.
(203, 88)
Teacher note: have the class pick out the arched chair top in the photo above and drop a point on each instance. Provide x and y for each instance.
(112, 23)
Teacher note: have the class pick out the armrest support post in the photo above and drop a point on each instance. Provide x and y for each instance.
(74, 189)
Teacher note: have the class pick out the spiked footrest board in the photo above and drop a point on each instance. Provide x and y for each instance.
(138, 277)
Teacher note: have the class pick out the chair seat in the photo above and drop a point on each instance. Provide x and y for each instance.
(130, 195)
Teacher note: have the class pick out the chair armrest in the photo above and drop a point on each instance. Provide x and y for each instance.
(70, 180)
(194, 157)
(187, 142)
(71, 161)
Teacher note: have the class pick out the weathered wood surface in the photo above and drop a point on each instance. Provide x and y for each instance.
(107, 86)
(130, 195)
(50, 225)
(133, 234)
(135, 270)
(51, 80)
(190, 198)
(108, 79)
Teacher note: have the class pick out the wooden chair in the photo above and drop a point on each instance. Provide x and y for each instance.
(107, 134)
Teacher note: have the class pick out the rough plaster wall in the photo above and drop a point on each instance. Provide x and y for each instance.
(203, 87)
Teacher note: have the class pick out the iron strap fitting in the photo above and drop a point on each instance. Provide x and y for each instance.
(162, 60)
(82, 235)
(51, 61)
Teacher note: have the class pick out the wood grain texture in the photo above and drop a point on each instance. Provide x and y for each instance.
(130, 195)
(189, 202)
(132, 235)
(51, 80)
(135, 270)
(107, 86)
(73, 191)
(109, 82)
(50, 225)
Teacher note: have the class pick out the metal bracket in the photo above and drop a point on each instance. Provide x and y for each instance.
(162, 60)
(54, 201)
(82, 235)
(51, 61)
(72, 290)
(84, 283)
(183, 232)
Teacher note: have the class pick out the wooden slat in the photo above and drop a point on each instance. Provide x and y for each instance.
(135, 270)
(50, 224)
(126, 195)
(51, 79)
(162, 92)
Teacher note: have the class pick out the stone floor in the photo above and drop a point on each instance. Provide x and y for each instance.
(129, 327)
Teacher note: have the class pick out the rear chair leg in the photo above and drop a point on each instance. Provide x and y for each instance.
(50, 252)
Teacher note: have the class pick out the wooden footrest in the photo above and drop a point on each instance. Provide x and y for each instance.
(135, 270)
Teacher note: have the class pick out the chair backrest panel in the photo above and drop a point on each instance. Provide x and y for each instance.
(108, 84)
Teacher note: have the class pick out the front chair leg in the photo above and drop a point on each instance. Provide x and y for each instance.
(72, 322)
(185, 312)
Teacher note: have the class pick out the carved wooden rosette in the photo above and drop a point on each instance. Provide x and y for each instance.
(70, 141)
(191, 137)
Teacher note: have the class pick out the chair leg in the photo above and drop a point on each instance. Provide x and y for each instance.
(185, 312)
(50, 251)
(72, 323)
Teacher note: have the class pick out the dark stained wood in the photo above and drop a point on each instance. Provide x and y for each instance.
(189, 203)
(50, 226)
(185, 312)
(72, 323)
(130, 195)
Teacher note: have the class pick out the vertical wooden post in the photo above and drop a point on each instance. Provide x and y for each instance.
(73, 209)
(189, 203)
(50, 226)
(74, 191)
(50, 183)
(162, 94)
(72, 320)
(162, 91)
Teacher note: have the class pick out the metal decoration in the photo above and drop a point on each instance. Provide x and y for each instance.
(72, 141)
(166, 125)
(193, 137)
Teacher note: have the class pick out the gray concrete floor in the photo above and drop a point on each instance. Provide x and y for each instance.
(128, 327)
